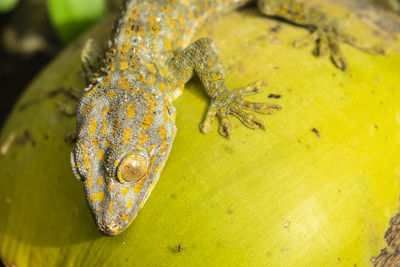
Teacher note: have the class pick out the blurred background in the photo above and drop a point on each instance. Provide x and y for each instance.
(32, 32)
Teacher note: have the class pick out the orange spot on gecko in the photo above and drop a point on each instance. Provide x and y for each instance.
(158, 168)
(164, 72)
(112, 66)
(135, 12)
(124, 217)
(123, 82)
(162, 132)
(115, 127)
(104, 127)
(106, 81)
(125, 47)
(99, 196)
(123, 65)
(143, 138)
(126, 135)
(165, 111)
(95, 142)
(162, 87)
(100, 154)
(151, 67)
(107, 143)
(128, 31)
(152, 79)
(163, 147)
(85, 158)
(105, 110)
(142, 79)
(93, 90)
(216, 77)
(154, 26)
(110, 208)
(87, 108)
(171, 23)
(100, 180)
(89, 181)
(151, 148)
(130, 110)
(167, 43)
(140, 31)
(116, 163)
(137, 91)
(125, 190)
(92, 126)
(148, 118)
(181, 19)
(130, 203)
(111, 94)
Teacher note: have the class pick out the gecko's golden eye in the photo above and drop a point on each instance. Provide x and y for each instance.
(132, 168)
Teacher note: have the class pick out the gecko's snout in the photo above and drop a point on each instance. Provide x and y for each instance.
(110, 229)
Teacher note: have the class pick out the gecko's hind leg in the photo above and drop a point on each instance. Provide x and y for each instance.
(327, 39)
(326, 31)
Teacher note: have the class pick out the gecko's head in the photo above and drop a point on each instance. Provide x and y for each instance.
(123, 142)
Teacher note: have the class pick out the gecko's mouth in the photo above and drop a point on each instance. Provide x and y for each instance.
(110, 229)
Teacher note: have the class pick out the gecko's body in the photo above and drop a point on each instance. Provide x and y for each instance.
(125, 119)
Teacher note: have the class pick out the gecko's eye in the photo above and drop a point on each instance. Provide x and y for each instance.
(132, 168)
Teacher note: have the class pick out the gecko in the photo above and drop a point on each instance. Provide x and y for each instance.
(125, 116)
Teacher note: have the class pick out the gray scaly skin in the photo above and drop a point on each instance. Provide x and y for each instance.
(125, 119)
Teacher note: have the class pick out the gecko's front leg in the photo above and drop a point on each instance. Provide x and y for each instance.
(201, 57)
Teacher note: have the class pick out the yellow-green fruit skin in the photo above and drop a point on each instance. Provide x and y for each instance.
(287, 196)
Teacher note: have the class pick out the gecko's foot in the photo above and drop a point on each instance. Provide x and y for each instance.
(232, 102)
(328, 38)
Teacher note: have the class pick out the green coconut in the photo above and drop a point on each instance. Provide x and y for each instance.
(316, 188)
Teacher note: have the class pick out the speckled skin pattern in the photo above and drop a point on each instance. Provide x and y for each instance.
(125, 119)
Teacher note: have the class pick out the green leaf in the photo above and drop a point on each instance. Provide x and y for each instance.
(7, 5)
(72, 17)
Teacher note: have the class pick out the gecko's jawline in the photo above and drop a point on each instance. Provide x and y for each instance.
(105, 233)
